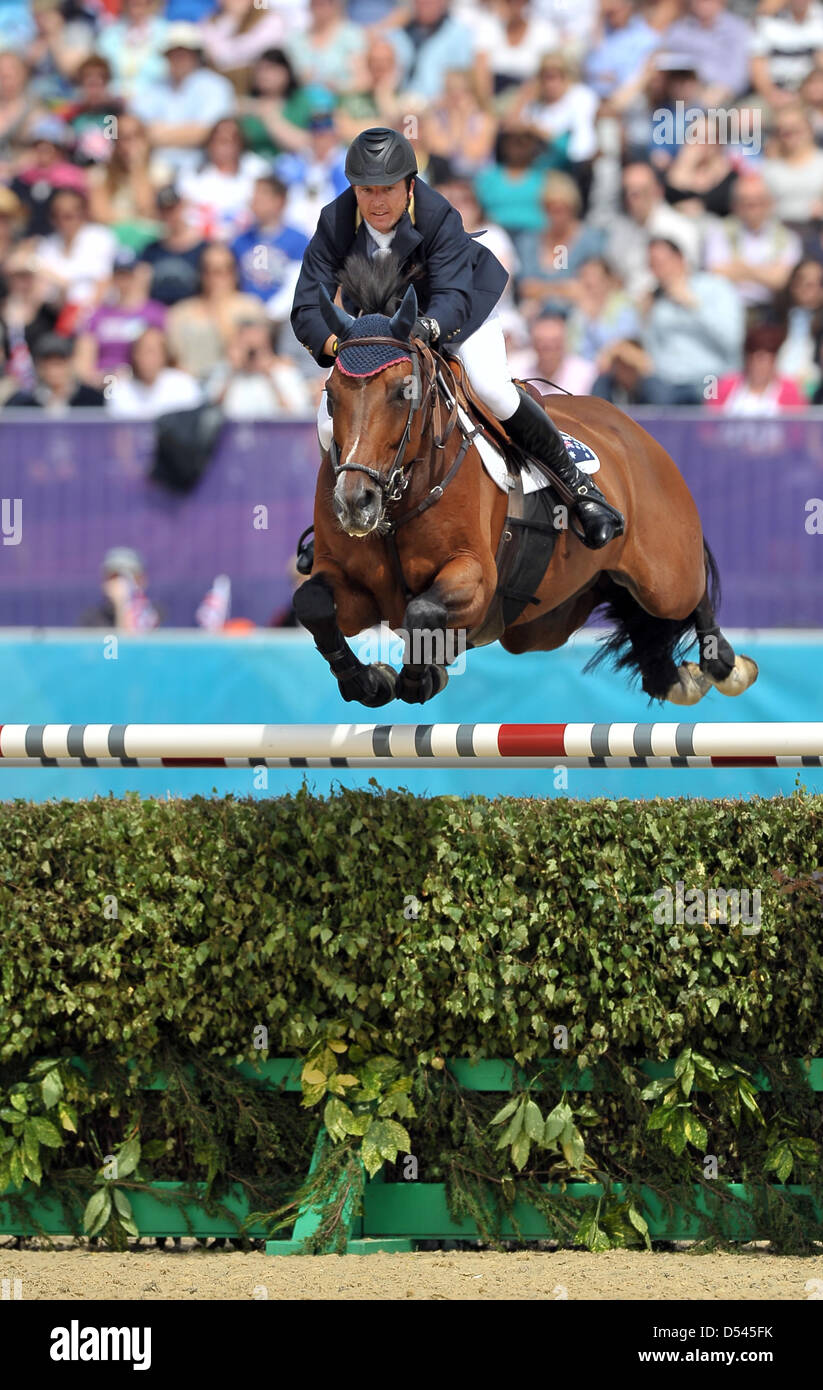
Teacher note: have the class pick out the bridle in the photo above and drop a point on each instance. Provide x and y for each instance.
(430, 383)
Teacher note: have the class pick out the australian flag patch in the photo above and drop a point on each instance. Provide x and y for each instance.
(580, 453)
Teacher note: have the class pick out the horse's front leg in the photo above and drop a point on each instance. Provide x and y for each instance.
(436, 624)
(328, 600)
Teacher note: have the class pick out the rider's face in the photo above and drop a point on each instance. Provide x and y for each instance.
(382, 207)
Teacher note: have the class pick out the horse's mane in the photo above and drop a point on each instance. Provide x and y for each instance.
(375, 286)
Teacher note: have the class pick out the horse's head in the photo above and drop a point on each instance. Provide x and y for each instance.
(373, 396)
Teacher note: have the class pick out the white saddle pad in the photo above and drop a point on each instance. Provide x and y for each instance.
(533, 480)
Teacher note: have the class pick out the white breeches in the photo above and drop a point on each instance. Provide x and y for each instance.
(484, 359)
(483, 356)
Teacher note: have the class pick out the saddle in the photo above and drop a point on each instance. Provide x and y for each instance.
(529, 534)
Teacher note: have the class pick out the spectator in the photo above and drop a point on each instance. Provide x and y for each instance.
(151, 387)
(549, 262)
(553, 362)
(15, 24)
(430, 43)
(77, 258)
(219, 194)
(811, 95)
(26, 316)
(752, 248)
(510, 45)
(324, 53)
(315, 177)
(457, 127)
(625, 43)
(106, 337)
(627, 378)
(718, 44)
(694, 325)
(461, 195)
(601, 312)
(556, 108)
(172, 263)
(784, 49)
(43, 168)
(238, 33)
(576, 24)
(133, 47)
(56, 388)
(794, 172)
(669, 79)
(269, 254)
(121, 193)
(132, 44)
(181, 110)
(200, 329)
(799, 311)
(124, 605)
(646, 215)
(12, 220)
(275, 115)
(255, 384)
(511, 190)
(64, 37)
(758, 389)
(94, 119)
(701, 177)
(17, 102)
(374, 97)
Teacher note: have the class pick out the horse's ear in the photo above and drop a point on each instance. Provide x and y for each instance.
(337, 320)
(403, 320)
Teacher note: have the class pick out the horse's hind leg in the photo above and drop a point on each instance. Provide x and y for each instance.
(317, 609)
(727, 672)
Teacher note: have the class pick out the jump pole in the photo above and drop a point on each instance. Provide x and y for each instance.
(364, 746)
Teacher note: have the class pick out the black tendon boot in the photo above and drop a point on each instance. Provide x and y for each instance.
(534, 431)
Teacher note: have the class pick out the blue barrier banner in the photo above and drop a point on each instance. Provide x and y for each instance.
(72, 488)
(276, 678)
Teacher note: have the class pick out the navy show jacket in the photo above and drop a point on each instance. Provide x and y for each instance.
(461, 280)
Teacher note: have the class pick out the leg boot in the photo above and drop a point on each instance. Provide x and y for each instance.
(533, 430)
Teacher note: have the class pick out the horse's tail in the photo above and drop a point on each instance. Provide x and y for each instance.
(647, 646)
(712, 578)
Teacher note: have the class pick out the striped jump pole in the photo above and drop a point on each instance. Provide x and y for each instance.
(656, 745)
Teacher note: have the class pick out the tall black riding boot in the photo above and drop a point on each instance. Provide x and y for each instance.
(534, 431)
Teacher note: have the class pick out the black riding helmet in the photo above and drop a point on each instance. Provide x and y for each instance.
(380, 157)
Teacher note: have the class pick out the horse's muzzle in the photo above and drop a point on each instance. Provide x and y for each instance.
(358, 506)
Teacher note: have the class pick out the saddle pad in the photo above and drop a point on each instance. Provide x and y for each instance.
(533, 480)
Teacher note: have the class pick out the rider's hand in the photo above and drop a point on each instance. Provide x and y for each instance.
(427, 330)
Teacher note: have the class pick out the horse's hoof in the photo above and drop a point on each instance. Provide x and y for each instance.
(691, 685)
(373, 685)
(743, 674)
(419, 688)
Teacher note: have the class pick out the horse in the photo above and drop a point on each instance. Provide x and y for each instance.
(409, 526)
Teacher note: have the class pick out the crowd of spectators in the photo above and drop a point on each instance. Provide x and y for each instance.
(649, 171)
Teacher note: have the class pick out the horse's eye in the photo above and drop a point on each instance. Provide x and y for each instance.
(329, 404)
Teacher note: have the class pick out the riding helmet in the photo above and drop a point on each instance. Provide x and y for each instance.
(380, 157)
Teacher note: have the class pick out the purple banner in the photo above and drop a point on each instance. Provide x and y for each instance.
(72, 489)
(83, 489)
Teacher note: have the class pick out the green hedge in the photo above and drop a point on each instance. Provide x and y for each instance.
(289, 911)
(436, 927)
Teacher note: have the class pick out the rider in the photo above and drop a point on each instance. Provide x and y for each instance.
(462, 281)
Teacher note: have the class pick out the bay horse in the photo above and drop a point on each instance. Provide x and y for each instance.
(409, 525)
